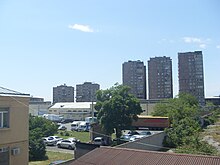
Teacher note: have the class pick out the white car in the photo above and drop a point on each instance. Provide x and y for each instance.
(62, 127)
(99, 141)
(73, 139)
(136, 137)
(70, 144)
(52, 140)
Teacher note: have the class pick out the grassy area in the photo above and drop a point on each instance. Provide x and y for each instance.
(52, 156)
(82, 136)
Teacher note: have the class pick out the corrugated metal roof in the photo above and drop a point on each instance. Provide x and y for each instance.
(116, 156)
(72, 105)
(9, 92)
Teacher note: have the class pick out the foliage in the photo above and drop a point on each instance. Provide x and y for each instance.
(37, 149)
(184, 105)
(116, 109)
(42, 126)
(184, 112)
(182, 132)
(38, 128)
(200, 148)
(82, 136)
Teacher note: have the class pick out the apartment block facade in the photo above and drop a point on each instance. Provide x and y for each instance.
(191, 76)
(134, 76)
(160, 81)
(86, 92)
(63, 93)
(14, 143)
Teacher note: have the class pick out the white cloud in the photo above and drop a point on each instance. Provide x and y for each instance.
(203, 46)
(192, 40)
(201, 43)
(218, 46)
(83, 28)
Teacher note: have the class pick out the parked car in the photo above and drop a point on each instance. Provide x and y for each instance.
(125, 137)
(51, 140)
(146, 133)
(99, 141)
(136, 137)
(74, 139)
(70, 144)
(62, 127)
(133, 132)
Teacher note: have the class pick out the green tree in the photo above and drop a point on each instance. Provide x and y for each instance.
(182, 106)
(182, 132)
(38, 128)
(116, 109)
(183, 113)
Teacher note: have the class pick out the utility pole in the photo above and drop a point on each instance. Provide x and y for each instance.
(92, 113)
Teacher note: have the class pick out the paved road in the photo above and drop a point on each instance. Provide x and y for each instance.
(68, 126)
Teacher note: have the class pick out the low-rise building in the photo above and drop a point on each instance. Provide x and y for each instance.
(38, 107)
(73, 110)
(148, 105)
(13, 127)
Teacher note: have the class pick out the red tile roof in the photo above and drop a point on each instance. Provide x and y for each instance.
(116, 156)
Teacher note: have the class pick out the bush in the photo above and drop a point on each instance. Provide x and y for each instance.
(37, 149)
(61, 133)
(66, 134)
(39, 127)
(200, 148)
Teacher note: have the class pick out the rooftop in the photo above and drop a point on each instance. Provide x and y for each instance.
(9, 92)
(73, 105)
(116, 156)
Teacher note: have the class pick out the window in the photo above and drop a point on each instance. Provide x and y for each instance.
(4, 118)
(4, 155)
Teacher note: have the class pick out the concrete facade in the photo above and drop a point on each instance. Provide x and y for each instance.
(86, 92)
(38, 107)
(160, 81)
(75, 111)
(148, 106)
(63, 93)
(14, 138)
(134, 76)
(191, 76)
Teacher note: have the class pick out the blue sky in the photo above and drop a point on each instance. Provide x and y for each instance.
(46, 43)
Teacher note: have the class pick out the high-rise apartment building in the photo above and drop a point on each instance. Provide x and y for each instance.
(191, 76)
(86, 92)
(63, 93)
(134, 76)
(160, 82)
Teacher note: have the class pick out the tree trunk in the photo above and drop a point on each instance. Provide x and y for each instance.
(118, 135)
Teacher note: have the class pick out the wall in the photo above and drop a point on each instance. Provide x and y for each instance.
(152, 143)
(83, 148)
(17, 133)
